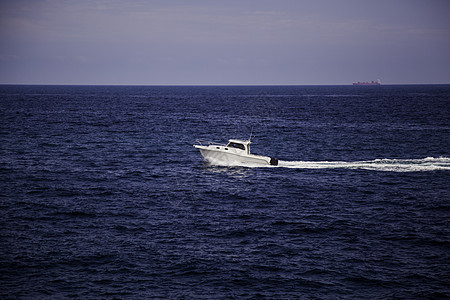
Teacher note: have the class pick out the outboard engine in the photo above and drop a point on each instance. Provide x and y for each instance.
(273, 161)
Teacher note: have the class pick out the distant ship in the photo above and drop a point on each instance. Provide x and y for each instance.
(378, 82)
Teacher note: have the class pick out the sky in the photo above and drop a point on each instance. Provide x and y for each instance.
(224, 42)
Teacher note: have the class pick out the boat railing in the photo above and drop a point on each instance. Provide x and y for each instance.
(208, 143)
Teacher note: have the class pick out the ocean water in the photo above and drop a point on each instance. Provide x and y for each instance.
(103, 196)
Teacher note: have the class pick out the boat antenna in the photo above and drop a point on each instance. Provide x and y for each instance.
(251, 134)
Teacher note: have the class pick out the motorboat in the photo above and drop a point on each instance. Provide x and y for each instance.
(235, 153)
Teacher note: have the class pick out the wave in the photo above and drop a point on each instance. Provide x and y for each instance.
(385, 164)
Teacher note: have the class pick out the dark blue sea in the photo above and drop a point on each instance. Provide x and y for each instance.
(103, 196)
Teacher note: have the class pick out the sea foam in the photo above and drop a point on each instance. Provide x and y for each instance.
(385, 164)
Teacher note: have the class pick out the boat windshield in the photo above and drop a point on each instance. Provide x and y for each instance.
(236, 145)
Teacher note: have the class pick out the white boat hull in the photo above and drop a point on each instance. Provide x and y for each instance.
(231, 158)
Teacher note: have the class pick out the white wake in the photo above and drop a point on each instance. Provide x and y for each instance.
(388, 165)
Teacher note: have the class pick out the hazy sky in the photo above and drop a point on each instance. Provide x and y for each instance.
(224, 41)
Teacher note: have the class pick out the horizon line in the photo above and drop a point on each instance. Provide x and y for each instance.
(254, 84)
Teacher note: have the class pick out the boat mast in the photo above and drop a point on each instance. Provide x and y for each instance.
(249, 141)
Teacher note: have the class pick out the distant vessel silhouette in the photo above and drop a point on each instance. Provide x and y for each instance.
(378, 82)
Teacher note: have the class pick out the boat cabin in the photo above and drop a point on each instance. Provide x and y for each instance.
(239, 144)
